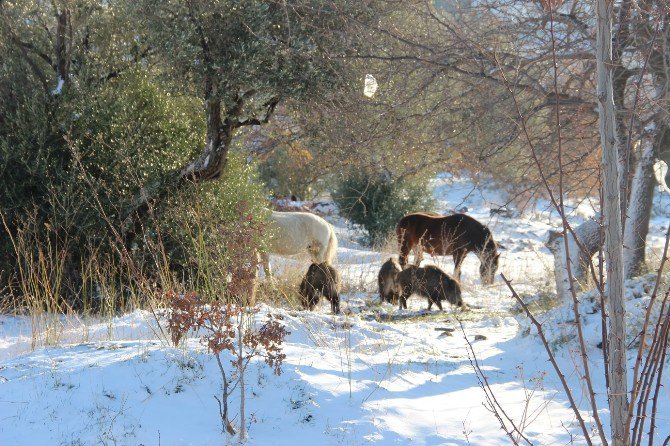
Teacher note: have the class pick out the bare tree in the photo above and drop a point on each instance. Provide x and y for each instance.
(622, 411)
(450, 60)
(242, 60)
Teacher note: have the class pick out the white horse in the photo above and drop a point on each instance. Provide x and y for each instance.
(297, 232)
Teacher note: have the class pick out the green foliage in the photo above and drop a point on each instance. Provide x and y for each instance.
(71, 176)
(263, 49)
(118, 136)
(32, 154)
(130, 131)
(377, 203)
(201, 229)
(26, 152)
(101, 104)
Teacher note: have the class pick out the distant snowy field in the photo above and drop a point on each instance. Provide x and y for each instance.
(374, 375)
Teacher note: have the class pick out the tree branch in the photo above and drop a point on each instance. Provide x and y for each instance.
(552, 359)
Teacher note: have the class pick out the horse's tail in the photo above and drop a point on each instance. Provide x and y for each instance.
(331, 249)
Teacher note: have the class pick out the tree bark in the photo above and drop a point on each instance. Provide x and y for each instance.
(658, 67)
(617, 392)
(63, 46)
(655, 145)
(227, 425)
(620, 77)
(639, 211)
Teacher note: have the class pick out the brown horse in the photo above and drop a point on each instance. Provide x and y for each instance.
(456, 234)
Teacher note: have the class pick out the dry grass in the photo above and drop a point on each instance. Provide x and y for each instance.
(358, 278)
(389, 247)
(282, 289)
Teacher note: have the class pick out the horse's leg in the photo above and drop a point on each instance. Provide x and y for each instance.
(251, 299)
(459, 256)
(313, 299)
(403, 300)
(383, 289)
(322, 253)
(304, 296)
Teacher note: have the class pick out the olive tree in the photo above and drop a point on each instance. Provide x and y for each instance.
(242, 59)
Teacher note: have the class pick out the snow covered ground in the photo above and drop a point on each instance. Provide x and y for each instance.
(374, 375)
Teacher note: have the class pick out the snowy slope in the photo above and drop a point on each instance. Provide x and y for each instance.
(374, 375)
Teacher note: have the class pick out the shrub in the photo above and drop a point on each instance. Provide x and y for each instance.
(231, 330)
(377, 203)
(72, 169)
(211, 232)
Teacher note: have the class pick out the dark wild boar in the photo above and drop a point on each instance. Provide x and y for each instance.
(388, 292)
(321, 279)
(430, 282)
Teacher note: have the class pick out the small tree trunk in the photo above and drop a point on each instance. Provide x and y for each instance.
(240, 368)
(618, 392)
(588, 234)
(62, 46)
(227, 425)
(639, 210)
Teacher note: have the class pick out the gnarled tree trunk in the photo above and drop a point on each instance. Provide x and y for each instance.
(208, 165)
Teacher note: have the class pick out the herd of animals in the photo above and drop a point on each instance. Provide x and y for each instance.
(456, 235)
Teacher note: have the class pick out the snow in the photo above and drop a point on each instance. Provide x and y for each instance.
(373, 375)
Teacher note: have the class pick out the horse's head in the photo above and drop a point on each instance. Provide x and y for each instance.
(488, 265)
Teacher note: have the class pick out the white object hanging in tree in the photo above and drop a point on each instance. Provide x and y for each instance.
(370, 86)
